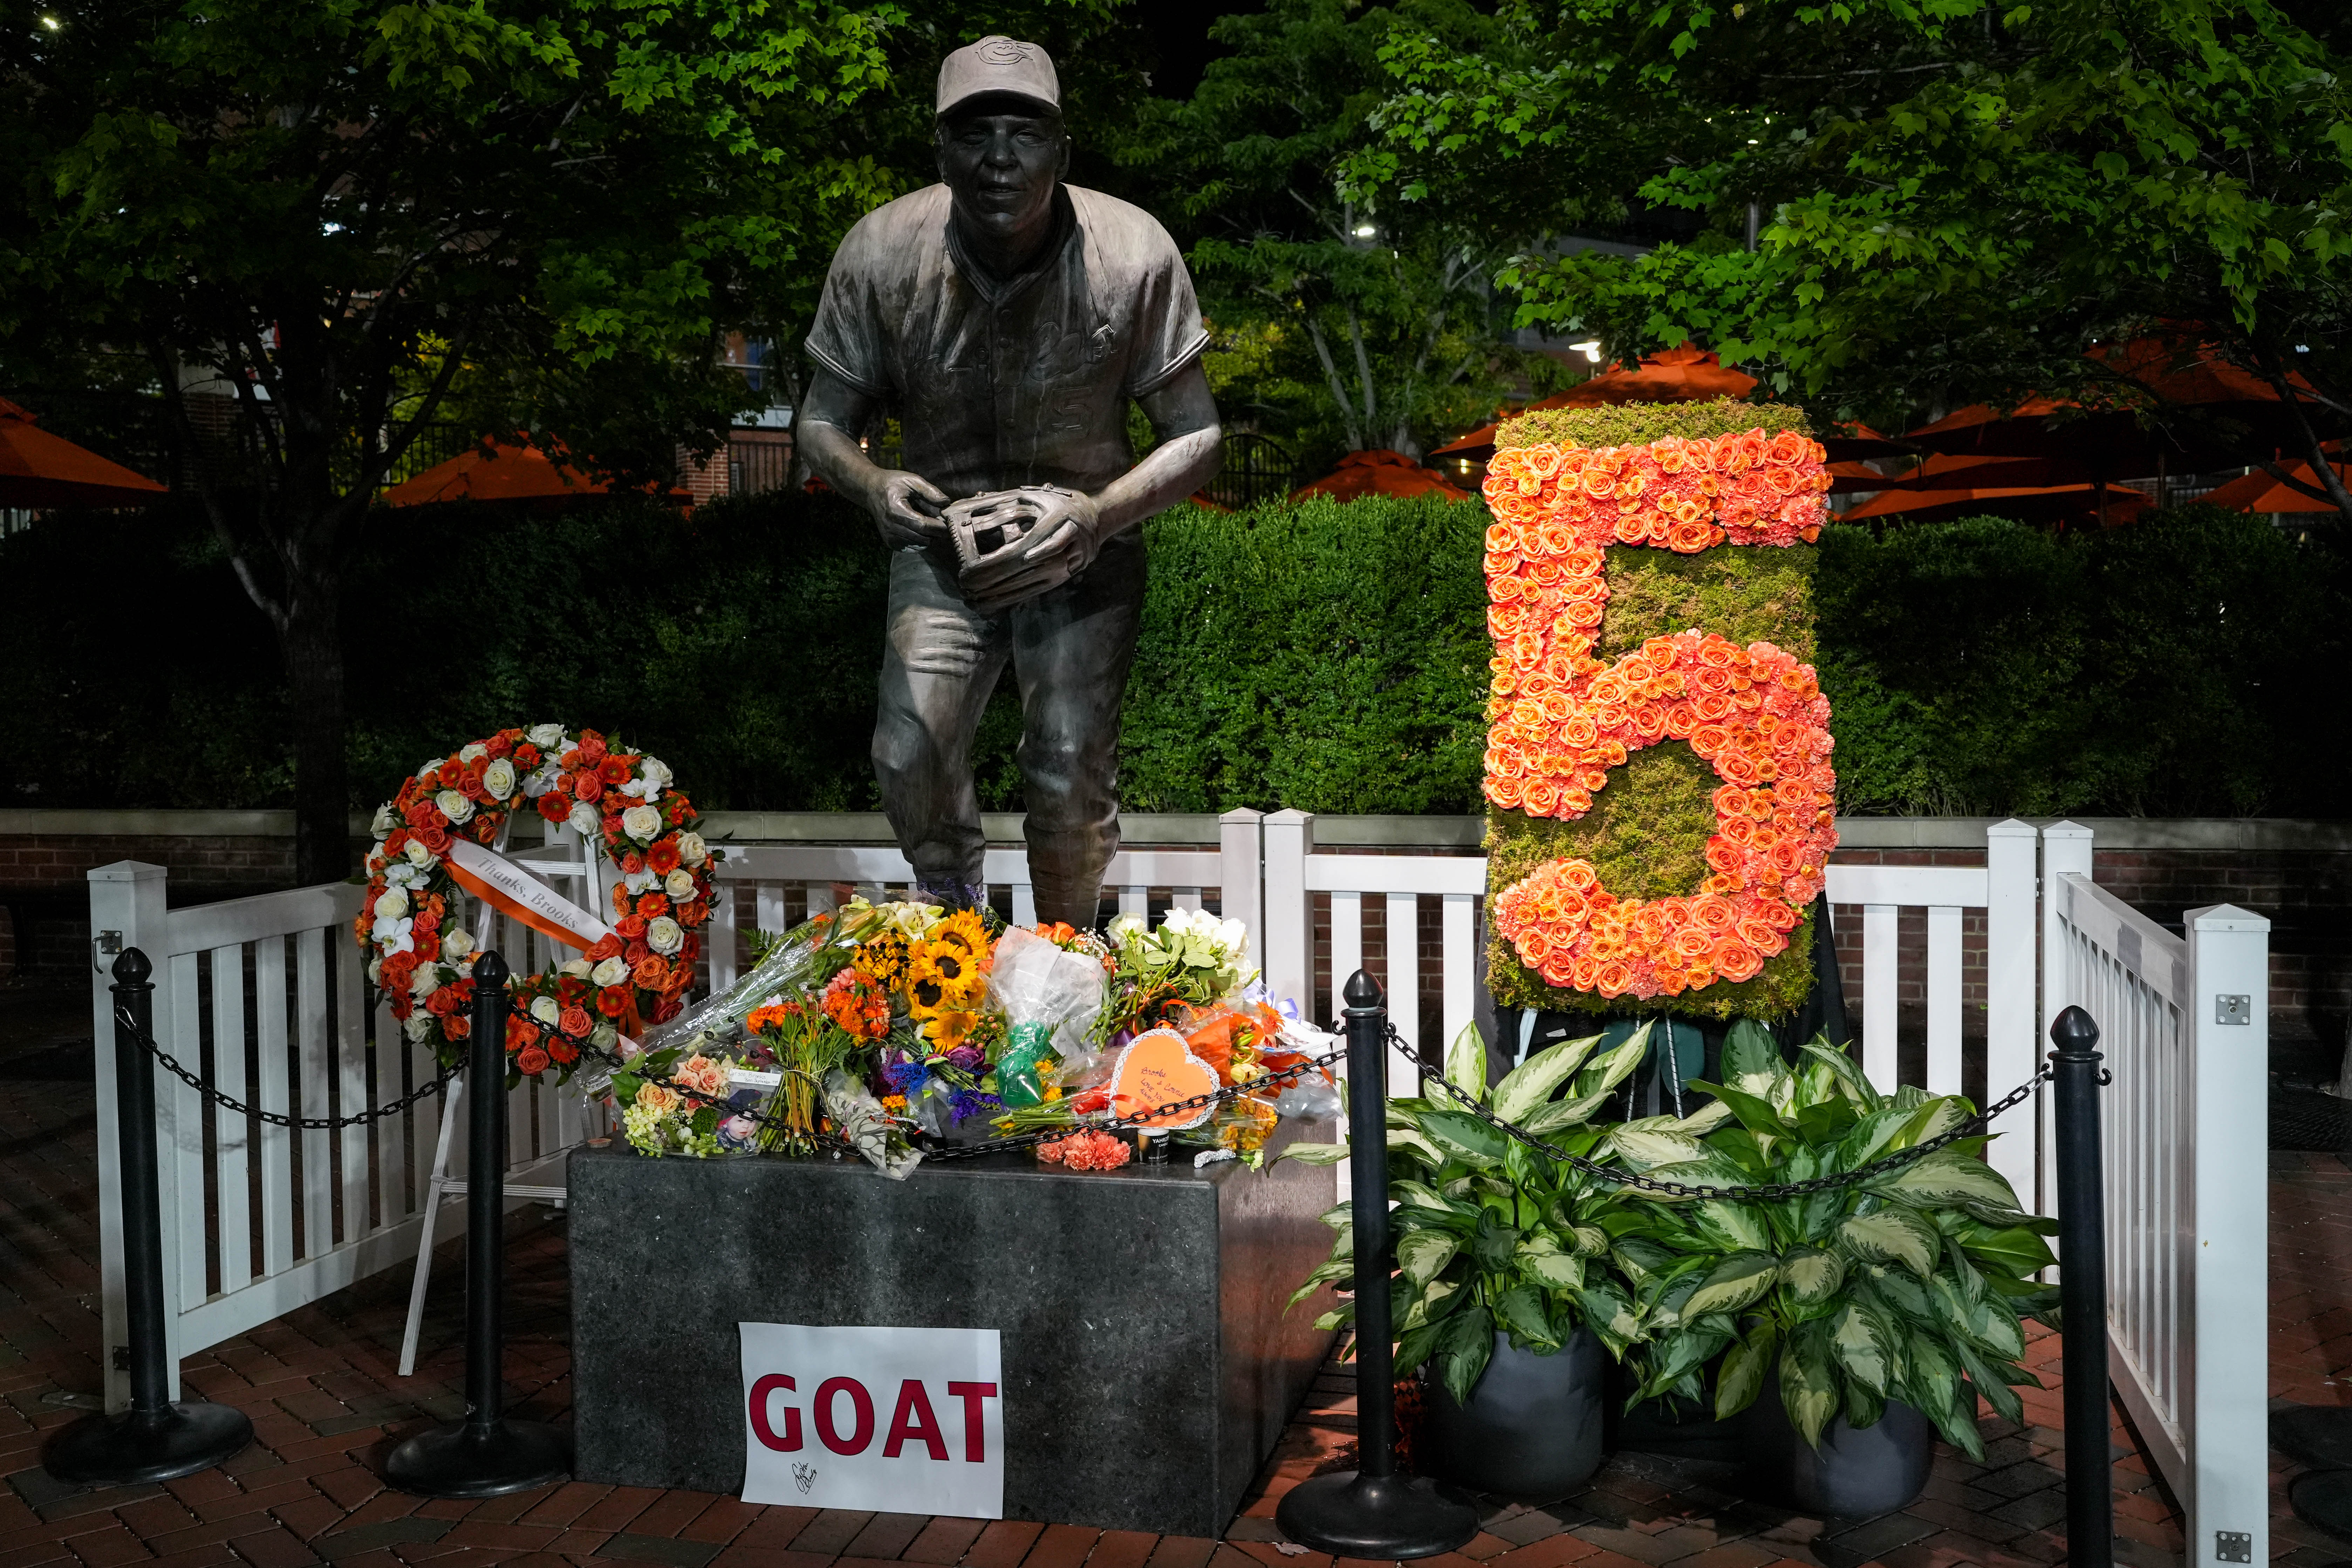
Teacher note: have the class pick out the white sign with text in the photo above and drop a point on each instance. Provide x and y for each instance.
(890, 1420)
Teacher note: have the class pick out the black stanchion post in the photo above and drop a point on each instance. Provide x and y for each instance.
(2082, 1288)
(486, 1455)
(155, 1439)
(1372, 1511)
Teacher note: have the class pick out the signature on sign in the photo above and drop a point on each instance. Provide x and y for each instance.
(804, 1476)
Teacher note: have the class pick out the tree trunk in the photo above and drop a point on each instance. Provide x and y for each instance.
(312, 640)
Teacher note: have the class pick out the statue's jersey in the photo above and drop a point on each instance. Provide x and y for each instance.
(1021, 382)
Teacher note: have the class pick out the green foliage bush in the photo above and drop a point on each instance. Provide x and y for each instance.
(1328, 656)
(2180, 667)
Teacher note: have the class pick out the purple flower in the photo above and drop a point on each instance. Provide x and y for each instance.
(966, 1058)
(965, 1103)
(907, 1078)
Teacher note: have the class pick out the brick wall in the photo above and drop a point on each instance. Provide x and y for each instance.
(45, 891)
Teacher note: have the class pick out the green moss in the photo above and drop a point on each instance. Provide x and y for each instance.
(1745, 592)
(1646, 834)
(1637, 424)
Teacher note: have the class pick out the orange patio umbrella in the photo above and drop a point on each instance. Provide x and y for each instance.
(1946, 487)
(38, 469)
(1687, 374)
(495, 471)
(2229, 409)
(2258, 491)
(1379, 473)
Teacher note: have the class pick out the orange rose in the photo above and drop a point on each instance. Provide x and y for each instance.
(1734, 961)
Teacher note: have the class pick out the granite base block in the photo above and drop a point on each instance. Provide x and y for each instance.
(1148, 1365)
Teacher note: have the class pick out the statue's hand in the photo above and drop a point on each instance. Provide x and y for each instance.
(906, 509)
(1062, 543)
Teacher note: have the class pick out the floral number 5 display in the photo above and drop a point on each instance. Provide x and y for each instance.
(1562, 719)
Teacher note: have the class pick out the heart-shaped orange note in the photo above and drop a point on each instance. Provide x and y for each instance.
(1159, 1068)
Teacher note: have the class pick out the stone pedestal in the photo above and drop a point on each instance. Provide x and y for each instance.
(1148, 1366)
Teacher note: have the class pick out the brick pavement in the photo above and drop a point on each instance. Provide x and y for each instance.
(326, 1405)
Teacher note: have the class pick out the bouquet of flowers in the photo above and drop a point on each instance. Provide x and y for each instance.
(1193, 960)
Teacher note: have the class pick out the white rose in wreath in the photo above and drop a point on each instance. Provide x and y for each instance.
(392, 905)
(691, 849)
(546, 737)
(652, 775)
(419, 1025)
(578, 969)
(642, 823)
(456, 944)
(546, 1010)
(454, 806)
(585, 820)
(499, 779)
(665, 936)
(418, 856)
(680, 883)
(611, 971)
(470, 753)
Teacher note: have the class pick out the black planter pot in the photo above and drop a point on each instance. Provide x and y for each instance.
(1856, 1472)
(1533, 1424)
(1681, 1430)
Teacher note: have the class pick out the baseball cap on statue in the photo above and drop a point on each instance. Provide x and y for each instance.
(998, 63)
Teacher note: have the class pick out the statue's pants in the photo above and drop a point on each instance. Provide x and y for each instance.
(1070, 650)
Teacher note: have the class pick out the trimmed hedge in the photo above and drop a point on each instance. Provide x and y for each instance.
(1326, 656)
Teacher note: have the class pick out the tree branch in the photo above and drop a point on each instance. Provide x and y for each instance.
(167, 371)
(1338, 390)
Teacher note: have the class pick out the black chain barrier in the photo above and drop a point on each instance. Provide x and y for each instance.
(123, 1024)
(1772, 1193)
(1017, 1141)
(1142, 1120)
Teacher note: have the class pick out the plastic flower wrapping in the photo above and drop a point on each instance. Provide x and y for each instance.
(885, 1029)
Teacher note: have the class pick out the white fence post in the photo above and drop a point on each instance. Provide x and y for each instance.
(1290, 950)
(1239, 842)
(2011, 1008)
(2229, 1006)
(1880, 1058)
(127, 910)
(2065, 852)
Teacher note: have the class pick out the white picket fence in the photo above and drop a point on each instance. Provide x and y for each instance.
(258, 1221)
(265, 998)
(2184, 1025)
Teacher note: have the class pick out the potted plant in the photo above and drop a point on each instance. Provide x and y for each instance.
(1854, 1322)
(1504, 1291)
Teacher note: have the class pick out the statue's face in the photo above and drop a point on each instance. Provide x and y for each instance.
(1001, 167)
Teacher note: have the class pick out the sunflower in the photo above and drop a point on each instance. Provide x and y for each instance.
(966, 930)
(941, 975)
(884, 959)
(950, 1028)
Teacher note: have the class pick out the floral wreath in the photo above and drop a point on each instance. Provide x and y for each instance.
(1561, 719)
(638, 973)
